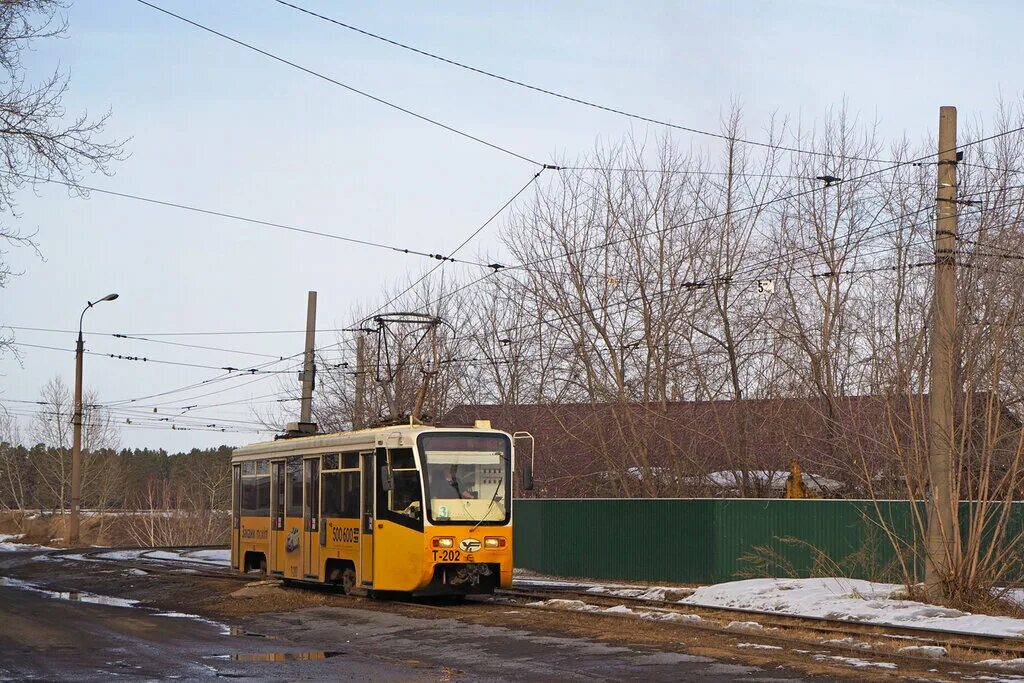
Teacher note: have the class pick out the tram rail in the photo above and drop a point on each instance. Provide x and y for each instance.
(712, 618)
(775, 628)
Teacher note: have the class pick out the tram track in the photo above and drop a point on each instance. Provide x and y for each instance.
(536, 591)
(780, 629)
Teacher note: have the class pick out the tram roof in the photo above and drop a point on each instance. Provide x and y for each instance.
(367, 438)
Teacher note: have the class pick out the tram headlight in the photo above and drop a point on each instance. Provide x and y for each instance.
(443, 542)
(494, 542)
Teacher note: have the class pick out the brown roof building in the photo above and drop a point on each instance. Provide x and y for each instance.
(846, 448)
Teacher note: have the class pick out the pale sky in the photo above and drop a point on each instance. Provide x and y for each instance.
(217, 126)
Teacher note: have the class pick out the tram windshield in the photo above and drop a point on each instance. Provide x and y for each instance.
(468, 478)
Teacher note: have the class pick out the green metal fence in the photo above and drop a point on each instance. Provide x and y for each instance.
(714, 540)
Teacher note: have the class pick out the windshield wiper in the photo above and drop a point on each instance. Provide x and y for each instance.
(494, 498)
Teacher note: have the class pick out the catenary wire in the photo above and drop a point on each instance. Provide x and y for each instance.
(464, 242)
(350, 88)
(143, 359)
(562, 96)
(246, 219)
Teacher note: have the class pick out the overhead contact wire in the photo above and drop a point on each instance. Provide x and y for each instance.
(338, 83)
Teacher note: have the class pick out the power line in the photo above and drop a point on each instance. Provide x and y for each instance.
(562, 96)
(195, 385)
(691, 285)
(143, 359)
(350, 88)
(752, 207)
(246, 219)
(495, 267)
(137, 338)
(990, 168)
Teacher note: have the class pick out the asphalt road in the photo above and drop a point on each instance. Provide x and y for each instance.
(52, 638)
(55, 636)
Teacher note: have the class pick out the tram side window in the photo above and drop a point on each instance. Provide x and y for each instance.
(294, 508)
(248, 495)
(255, 489)
(331, 485)
(404, 503)
(341, 487)
(263, 488)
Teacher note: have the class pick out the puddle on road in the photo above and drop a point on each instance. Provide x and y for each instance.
(239, 631)
(279, 656)
(74, 596)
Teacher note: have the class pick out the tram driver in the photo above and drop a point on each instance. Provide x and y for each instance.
(444, 483)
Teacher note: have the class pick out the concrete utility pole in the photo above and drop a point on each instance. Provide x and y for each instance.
(308, 366)
(943, 541)
(359, 410)
(76, 421)
(307, 377)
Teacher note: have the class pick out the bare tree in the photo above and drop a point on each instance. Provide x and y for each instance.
(14, 481)
(52, 425)
(38, 142)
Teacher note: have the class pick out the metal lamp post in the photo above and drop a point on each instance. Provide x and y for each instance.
(76, 448)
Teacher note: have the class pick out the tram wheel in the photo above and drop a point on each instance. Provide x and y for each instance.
(348, 580)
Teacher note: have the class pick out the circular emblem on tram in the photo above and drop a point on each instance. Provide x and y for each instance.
(470, 545)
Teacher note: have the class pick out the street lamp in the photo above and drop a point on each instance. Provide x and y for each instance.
(76, 448)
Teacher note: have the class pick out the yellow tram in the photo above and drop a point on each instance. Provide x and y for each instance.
(411, 508)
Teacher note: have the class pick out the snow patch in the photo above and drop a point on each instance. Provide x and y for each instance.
(561, 603)
(9, 543)
(848, 600)
(849, 642)
(678, 616)
(647, 614)
(758, 646)
(653, 593)
(934, 651)
(620, 609)
(218, 557)
(854, 662)
(1013, 664)
(743, 626)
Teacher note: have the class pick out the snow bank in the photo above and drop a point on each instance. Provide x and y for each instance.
(6, 544)
(218, 557)
(848, 600)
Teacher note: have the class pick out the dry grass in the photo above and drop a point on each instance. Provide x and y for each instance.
(124, 529)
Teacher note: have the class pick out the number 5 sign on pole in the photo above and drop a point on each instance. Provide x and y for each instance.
(765, 288)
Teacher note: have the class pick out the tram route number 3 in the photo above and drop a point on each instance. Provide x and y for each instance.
(447, 555)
